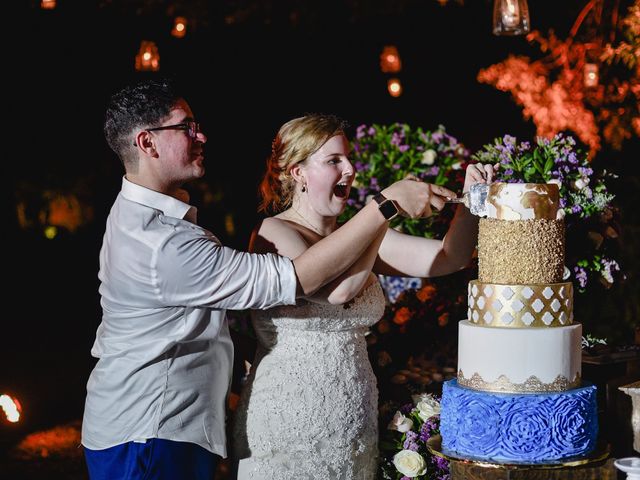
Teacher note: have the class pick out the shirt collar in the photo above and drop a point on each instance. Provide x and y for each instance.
(168, 205)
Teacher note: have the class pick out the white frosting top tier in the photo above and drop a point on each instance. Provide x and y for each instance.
(519, 359)
(523, 201)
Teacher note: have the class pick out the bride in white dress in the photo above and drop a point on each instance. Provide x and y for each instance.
(309, 408)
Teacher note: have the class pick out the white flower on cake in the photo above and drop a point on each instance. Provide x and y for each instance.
(400, 423)
(426, 405)
(429, 157)
(409, 463)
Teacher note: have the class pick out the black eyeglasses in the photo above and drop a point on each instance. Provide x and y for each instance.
(192, 129)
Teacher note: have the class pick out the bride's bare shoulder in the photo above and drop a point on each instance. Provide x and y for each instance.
(277, 235)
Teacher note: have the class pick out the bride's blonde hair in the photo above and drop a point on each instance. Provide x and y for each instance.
(295, 142)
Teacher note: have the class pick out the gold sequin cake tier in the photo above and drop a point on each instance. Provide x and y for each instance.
(521, 252)
(520, 306)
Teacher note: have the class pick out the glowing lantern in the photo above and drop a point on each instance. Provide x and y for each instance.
(394, 87)
(11, 408)
(148, 58)
(179, 29)
(591, 76)
(48, 4)
(511, 17)
(390, 60)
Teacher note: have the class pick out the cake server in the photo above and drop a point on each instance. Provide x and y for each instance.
(475, 199)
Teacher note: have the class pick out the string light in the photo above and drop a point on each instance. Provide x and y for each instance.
(48, 4)
(11, 408)
(511, 17)
(394, 87)
(390, 60)
(591, 77)
(179, 29)
(148, 58)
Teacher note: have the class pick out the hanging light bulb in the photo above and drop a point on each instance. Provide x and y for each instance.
(390, 60)
(48, 4)
(179, 29)
(591, 76)
(148, 58)
(511, 17)
(394, 87)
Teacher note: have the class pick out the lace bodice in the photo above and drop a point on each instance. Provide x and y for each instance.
(309, 407)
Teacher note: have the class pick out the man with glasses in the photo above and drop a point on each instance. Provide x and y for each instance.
(155, 406)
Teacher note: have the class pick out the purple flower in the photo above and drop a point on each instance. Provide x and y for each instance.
(360, 131)
(396, 166)
(576, 209)
(440, 463)
(403, 148)
(581, 276)
(371, 132)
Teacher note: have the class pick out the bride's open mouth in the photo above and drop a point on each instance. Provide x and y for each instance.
(341, 190)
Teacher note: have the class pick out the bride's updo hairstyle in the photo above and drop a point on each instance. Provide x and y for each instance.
(295, 142)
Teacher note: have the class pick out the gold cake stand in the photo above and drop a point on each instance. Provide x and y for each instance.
(599, 454)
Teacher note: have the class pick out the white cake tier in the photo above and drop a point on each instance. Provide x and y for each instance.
(523, 201)
(519, 360)
(520, 306)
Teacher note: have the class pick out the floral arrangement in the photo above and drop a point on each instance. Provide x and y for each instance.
(403, 447)
(584, 196)
(384, 154)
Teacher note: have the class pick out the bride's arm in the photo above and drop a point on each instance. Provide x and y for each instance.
(277, 236)
(411, 256)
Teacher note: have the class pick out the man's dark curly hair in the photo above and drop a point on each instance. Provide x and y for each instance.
(134, 108)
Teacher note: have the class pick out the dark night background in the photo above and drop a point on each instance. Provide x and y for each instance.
(279, 60)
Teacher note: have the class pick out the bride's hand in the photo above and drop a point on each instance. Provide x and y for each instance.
(479, 173)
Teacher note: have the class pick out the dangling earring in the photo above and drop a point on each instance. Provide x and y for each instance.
(304, 187)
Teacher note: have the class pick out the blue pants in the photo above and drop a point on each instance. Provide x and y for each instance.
(156, 459)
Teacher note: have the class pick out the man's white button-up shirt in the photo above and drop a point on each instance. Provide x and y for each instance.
(163, 346)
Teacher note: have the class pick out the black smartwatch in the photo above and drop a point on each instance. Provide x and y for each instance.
(387, 207)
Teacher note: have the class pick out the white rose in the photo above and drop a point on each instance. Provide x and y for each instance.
(409, 463)
(456, 166)
(429, 157)
(556, 182)
(400, 423)
(581, 183)
(428, 407)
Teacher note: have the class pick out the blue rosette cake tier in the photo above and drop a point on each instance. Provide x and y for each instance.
(517, 428)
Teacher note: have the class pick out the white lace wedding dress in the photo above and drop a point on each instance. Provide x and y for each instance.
(309, 409)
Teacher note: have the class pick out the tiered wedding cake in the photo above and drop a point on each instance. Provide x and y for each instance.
(519, 396)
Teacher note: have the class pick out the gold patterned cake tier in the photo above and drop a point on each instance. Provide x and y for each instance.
(520, 306)
(520, 251)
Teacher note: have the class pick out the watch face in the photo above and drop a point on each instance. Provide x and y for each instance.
(388, 209)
